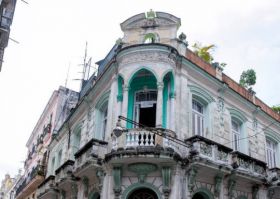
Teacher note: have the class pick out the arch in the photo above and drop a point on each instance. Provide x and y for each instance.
(204, 192)
(151, 38)
(94, 195)
(142, 79)
(201, 94)
(76, 138)
(237, 114)
(137, 186)
(138, 70)
(272, 136)
(102, 100)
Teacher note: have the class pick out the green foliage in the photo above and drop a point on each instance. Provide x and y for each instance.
(276, 109)
(204, 52)
(248, 78)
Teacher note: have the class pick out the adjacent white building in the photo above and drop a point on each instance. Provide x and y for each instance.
(201, 135)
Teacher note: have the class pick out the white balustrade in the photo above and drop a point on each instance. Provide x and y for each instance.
(139, 137)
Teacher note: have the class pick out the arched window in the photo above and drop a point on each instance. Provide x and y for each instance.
(238, 131)
(197, 118)
(76, 140)
(150, 38)
(236, 134)
(59, 157)
(271, 151)
(200, 108)
(101, 117)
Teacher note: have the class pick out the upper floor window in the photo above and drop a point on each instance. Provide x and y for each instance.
(59, 158)
(238, 131)
(149, 38)
(271, 151)
(104, 113)
(236, 134)
(197, 118)
(101, 117)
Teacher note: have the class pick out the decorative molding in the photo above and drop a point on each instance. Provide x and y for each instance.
(166, 180)
(201, 93)
(142, 170)
(117, 176)
(192, 177)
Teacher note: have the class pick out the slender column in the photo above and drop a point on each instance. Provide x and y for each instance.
(159, 104)
(125, 102)
(172, 112)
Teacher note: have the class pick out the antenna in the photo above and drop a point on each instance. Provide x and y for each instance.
(67, 76)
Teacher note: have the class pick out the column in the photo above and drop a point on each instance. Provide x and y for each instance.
(159, 105)
(124, 103)
(172, 112)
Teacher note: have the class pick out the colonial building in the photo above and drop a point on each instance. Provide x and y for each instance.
(54, 114)
(7, 186)
(7, 9)
(186, 131)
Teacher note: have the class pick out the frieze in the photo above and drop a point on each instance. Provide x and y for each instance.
(147, 56)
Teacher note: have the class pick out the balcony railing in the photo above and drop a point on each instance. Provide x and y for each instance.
(64, 171)
(141, 138)
(36, 171)
(220, 154)
(205, 148)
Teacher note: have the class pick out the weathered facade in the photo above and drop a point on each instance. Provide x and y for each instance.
(54, 114)
(201, 135)
(7, 9)
(7, 186)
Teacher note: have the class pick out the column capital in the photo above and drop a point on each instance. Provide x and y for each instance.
(160, 85)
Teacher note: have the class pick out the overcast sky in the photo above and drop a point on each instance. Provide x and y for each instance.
(52, 36)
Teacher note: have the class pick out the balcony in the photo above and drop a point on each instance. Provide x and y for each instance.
(31, 182)
(64, 175)
(144, 142)
(212, 154)
(89, 157)
(47, 189)
(205, 150)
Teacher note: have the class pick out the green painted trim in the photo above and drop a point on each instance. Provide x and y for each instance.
(93, 195)
(237, 114)
(141, 69)
(120, 89)
(136, 84)
(241, 197)
(102, 100)
(201, 94)
(164, 103)
(137, 186)
(205, 192)
(273, 136)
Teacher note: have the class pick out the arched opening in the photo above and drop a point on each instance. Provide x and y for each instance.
(200, 196)
(142, 99)
(94, 195)
(142, 193)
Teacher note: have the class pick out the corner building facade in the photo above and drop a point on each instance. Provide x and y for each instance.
(207, 137)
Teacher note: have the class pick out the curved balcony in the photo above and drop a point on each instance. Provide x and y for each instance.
(143, 144)
(48, 189)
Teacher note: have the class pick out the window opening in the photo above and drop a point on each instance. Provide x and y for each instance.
(271, 148)
(236, 132)
(197, 118)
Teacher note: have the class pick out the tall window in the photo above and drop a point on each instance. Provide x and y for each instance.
(104, 113)
(76, 140)
(197, 118)
(271, 149)
(59, 158)
(236, 132)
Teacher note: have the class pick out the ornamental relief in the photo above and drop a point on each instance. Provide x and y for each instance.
(147, 57)
(149, 22)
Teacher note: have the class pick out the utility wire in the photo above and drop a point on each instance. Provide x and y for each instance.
(263, 129)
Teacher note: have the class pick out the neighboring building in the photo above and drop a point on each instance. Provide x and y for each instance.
(7, 186)
(56, 111)
(7, 9)
(208, 137)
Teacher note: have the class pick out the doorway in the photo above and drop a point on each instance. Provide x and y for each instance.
(143, 193)
(145, 107)
(200, 195)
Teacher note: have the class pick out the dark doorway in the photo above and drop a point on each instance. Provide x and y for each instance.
(199, 196)
(143, 193)
(147, 116)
